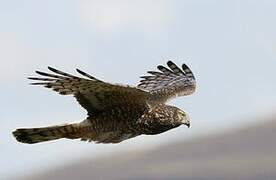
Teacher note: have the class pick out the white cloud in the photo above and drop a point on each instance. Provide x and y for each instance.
(110, 15)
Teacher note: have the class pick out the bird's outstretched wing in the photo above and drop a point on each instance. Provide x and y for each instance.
(169, 82)
(93, 94)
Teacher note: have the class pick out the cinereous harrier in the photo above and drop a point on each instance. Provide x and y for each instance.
(116, 112)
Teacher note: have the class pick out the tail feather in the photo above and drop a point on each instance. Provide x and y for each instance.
(36, 135)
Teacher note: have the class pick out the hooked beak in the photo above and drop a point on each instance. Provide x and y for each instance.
(188, 124)
(187, 121)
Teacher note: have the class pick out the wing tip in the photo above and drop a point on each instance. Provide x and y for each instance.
(169, 63)
(40, 73)
(160, 67)
(78, 70)
(87, 75)
(52, 69)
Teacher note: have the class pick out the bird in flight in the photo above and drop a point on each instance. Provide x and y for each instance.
(116, 112)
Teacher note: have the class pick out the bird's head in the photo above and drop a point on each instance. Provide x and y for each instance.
(181, 117)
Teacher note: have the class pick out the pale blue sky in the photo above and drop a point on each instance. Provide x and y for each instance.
(230, 45)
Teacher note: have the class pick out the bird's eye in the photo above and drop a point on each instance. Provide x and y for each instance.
(181, 113)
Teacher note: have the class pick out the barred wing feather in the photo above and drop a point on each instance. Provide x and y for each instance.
(169, 82)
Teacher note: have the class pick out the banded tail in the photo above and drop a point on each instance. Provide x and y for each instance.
(37, 135)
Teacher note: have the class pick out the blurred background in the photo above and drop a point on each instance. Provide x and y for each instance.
(229, 45)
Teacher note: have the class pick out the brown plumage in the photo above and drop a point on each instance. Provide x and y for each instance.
(116, 112)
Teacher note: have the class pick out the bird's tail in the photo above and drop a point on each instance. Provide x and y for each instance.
(36, 135)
